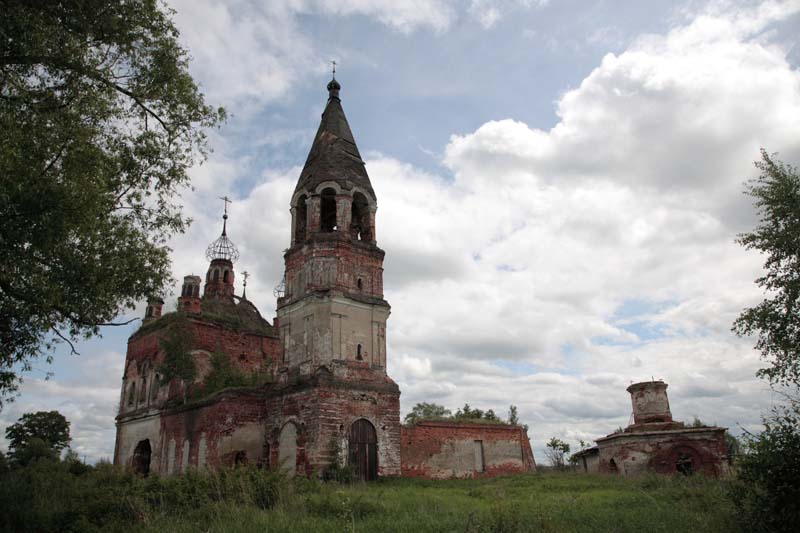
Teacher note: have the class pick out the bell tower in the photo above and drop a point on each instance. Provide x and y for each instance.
(332, 312)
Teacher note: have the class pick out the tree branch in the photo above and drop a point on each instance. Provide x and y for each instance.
(73, 351)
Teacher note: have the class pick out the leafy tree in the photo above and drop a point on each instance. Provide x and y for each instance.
(513, 418)
(426, 411)
(556, 450)
(99, 122)
(766, 490)
(42, 434)
(467, 413)
(776, 320)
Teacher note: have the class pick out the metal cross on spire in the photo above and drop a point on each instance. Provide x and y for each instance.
(245, 275)
(227, 201)
(334, 68)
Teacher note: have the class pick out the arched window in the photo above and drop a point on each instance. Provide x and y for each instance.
(327, 214)
(359, 219)
(216, 274)
(358, 353)
(149, 312)
(197, 291)
(225, 276)
(300, 220)
(360, 284)
(154, 388)
(143, 391)
(131, 394)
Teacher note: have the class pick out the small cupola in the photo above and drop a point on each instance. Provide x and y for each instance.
(189, 300)
(153, 311)
(221, 253)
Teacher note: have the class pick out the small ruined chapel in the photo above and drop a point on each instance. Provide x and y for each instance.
(215, 384)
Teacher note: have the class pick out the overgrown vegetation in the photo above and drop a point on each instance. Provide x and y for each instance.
(56, 496)
(224, 375)
(42, 434)
(767, 488)
(178, 361)
(556, 452)
(767, 492)
(434, 412)
(338, 470)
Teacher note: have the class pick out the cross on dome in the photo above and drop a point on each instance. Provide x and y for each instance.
(223, 248)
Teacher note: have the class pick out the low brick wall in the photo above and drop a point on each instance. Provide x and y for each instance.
(441, 450)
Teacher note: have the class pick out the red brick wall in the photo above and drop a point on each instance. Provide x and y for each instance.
(443, 449)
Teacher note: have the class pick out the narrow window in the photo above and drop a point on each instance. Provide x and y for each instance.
(328, 211)
(225, 276)
(359, 219)
(197, 291)
(154, 388)
(132, 394)
(216, 275)
(300, 220)
(148, 313)
(360, 284)
(143, 391)
(358, 353)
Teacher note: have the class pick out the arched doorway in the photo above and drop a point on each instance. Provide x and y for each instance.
(612, 467)
(363, 447)
(287, 449)
(141, 458)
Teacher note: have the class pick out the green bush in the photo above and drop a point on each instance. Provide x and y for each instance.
(767, 488)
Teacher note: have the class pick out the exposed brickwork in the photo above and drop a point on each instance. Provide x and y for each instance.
(450, 449)
(663, 452)
(324, 357)
(656, 443)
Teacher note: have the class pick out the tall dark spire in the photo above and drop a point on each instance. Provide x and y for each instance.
(334, 155)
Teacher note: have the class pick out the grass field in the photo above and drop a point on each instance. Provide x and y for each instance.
(110, 500)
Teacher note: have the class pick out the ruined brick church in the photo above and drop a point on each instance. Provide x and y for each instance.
(312, 386)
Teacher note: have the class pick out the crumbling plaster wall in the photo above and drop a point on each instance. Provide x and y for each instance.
(320, 330)
(323, 415)
(446, 450)
(637, 453)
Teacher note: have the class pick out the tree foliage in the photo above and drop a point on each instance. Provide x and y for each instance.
(776, 320)
(427, 411)
(433, 411)
(99, 122)
(766, 490)
(556, 451)
(42, 434)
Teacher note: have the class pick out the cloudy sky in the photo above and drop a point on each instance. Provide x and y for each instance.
(559, 187)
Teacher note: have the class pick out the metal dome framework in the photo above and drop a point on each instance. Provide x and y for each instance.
(222, 248)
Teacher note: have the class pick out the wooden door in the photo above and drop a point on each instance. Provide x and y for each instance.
(363, 447)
